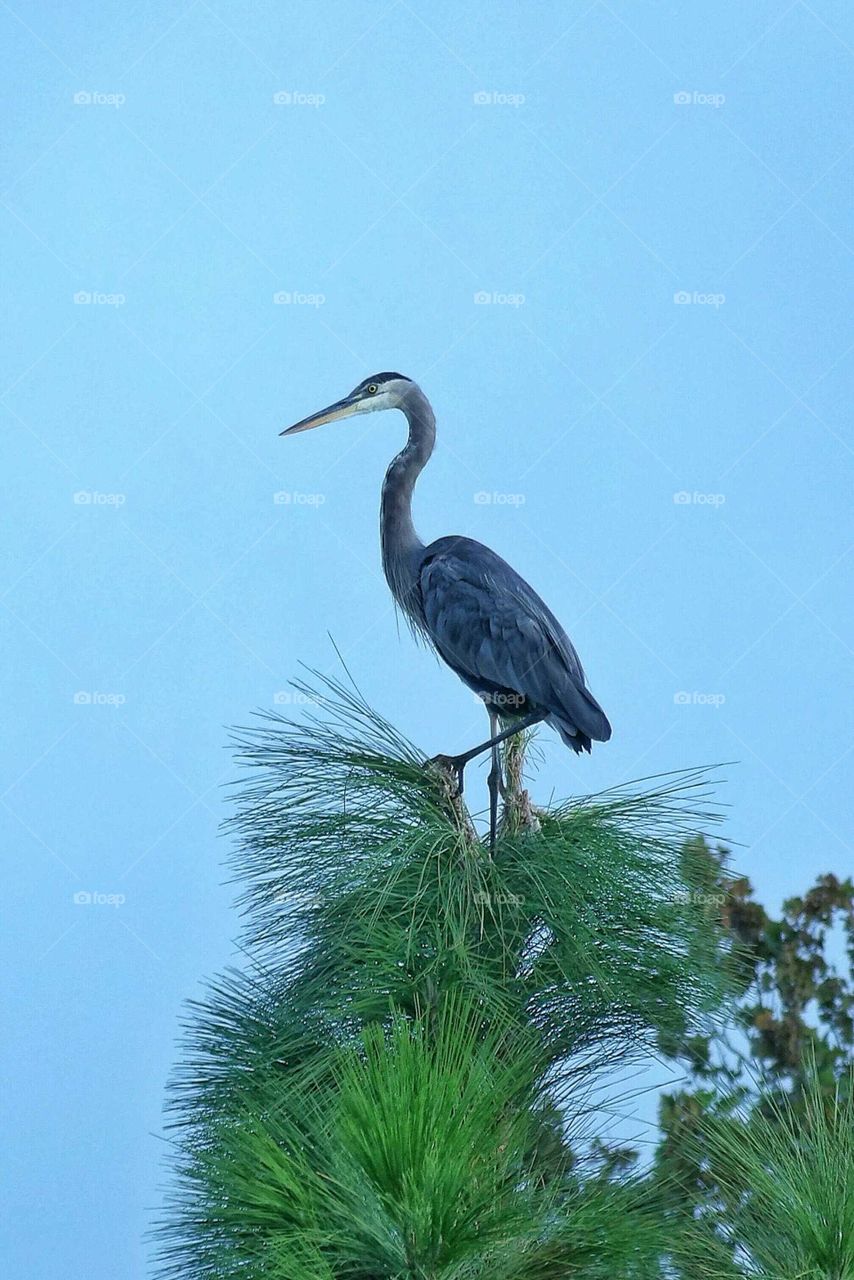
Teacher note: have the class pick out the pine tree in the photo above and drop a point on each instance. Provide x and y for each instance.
(402, 1082)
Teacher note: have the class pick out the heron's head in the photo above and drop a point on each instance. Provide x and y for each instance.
(382, 391)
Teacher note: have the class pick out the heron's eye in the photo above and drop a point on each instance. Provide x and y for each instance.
(372, 389)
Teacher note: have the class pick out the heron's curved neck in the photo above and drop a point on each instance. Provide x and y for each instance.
(401, 546)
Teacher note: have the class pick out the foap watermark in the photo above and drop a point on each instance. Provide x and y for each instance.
(688, 298)
(296, 98)
(92, 298)
(294, 498)
(494, 298)
(293, 698)
(694, 98)
(695, 698)
(93, 98)
(691, 498)
(93, 898)
(94, 698)
(505, 703)
(487, 899)
(491, 98)
(687, 897)
(94, 498)
(290, 898)
(485, 499)
(293, 298)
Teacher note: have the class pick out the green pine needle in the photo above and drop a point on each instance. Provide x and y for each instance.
(388, 1089)
(785, 1171)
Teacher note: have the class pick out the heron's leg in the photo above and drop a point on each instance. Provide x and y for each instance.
(494, 782)
(458, 763)
(462, 760)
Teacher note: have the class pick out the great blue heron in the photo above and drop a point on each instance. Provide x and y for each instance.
(481, 617)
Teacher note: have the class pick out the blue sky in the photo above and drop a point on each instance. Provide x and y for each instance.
(649, 416)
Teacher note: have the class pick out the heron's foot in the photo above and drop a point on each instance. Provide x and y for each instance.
(453, 767)
(450, 775)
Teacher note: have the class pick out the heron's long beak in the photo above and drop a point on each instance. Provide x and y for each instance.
(340, 409)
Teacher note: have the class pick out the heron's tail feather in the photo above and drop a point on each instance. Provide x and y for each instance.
(576, 740)
(581, 721)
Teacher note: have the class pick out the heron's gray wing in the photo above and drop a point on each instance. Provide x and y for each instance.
(490, 625)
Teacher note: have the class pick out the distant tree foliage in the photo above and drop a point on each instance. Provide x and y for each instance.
(759, 1147)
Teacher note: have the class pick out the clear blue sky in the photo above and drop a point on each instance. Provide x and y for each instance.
(626, 153)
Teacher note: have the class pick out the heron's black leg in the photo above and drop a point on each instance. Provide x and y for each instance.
(458, 763)
(462, 760)
(495, 783)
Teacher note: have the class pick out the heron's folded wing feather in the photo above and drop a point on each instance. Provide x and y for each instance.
(488, 623)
